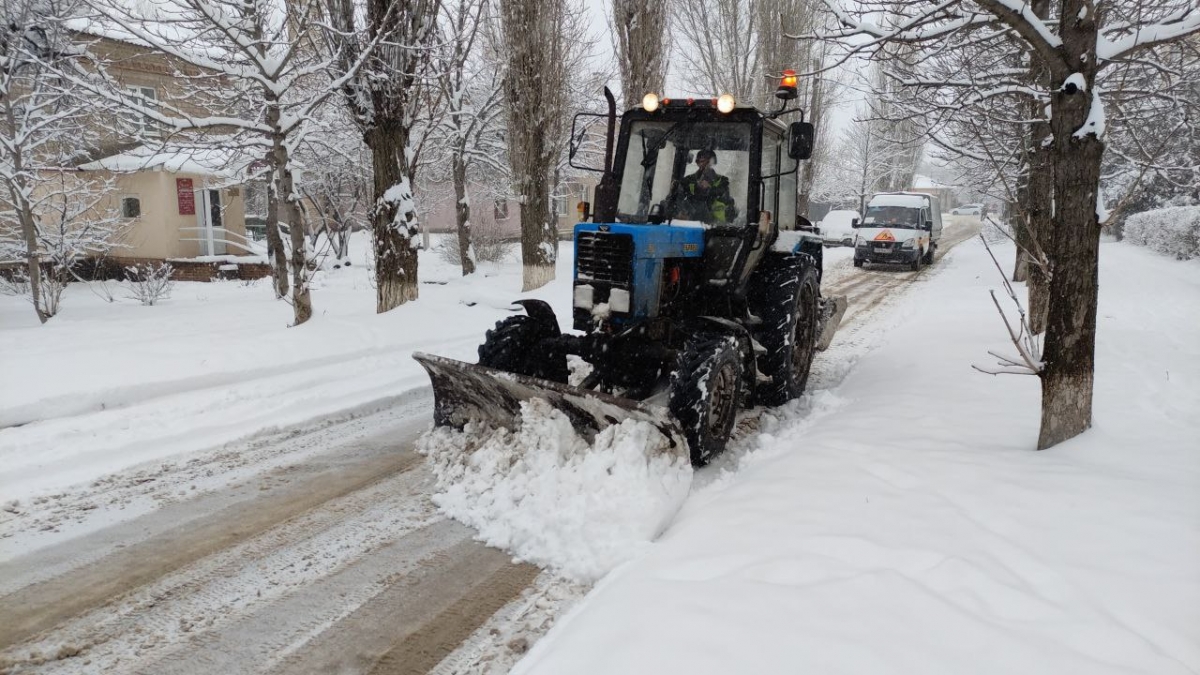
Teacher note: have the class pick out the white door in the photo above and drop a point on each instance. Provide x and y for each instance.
(214, 224)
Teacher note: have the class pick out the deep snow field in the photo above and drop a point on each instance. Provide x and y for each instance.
(895, 519)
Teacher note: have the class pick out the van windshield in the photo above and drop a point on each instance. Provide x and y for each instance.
(893, 216)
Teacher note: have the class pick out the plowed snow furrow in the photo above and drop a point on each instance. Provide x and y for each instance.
(225, 580)
(176, 491)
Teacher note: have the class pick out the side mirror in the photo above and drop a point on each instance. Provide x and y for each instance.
(929, 226)
(854, 223)
(802, 136)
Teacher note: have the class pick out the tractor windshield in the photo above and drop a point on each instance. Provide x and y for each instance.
(691, 171)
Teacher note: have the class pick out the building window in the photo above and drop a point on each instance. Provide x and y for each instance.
(500, 211)
(131, 207)
(145, 97)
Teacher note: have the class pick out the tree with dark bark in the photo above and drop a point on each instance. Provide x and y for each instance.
(535, 92)
(1075, 45)
(472, 126)
(390, 98)
(643, 45)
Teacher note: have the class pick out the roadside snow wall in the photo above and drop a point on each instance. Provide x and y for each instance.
(1174, 231)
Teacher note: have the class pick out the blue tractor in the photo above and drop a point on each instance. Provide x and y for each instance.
(696, 288)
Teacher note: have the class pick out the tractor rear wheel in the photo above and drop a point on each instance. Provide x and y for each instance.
(789, 306)
(706, 393)
(519, 344)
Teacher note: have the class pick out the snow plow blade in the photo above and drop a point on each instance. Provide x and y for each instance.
(831, 312)
(465, 392)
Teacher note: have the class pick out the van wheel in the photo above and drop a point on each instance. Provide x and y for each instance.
(858, 263)
(915, 265)
(929, 255)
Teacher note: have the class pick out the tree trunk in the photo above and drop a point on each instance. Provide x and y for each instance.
(301, 297)
(393, 218)
(462, 210)
(808, 169)
(1040, 226)
(287, 209)
(1038, 196)
(1074, 245)
(276, 255)
(17, 191)
(539, 234)
(29, 230)
(641, 50)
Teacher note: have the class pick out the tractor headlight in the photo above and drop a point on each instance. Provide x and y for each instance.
(583, 296)
(618, 300)
(725, 103)
(650, 102)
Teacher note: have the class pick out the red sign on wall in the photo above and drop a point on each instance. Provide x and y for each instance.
(186, 197)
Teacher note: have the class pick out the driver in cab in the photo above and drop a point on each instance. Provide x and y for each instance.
(705, 192)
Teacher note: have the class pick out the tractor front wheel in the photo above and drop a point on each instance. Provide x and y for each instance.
(789, 306)
(525, 346)
(706, 393)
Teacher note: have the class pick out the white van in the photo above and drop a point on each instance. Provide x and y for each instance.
(899, 227)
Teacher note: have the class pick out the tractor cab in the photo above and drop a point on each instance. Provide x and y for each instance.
(686, 162)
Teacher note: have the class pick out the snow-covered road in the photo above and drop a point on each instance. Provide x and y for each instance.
(315, 547)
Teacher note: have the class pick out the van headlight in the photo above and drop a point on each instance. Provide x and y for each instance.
(909, 244)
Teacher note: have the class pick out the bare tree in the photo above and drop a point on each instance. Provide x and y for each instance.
(643, 44)
(389, 98)
(473, 125)
(336, 186)
(260, 57)
(47, 219)
(537, 43)
(1076, 45)
(718, 46)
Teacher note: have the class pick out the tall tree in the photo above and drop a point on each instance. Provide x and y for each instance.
(389, 97)
(472, 126)
(643, 44)
(535, 91)
(251, 67)
(1076, 45)
(51, 214)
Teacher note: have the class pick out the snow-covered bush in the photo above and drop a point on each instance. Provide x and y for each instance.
(1174, 231)
(150, 283)
(16, 284)
(487, 241)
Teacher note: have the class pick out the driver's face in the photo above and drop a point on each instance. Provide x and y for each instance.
(703, 162)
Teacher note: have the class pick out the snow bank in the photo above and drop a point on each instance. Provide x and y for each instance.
(1174, 231)
(913, 528)
(104, 387)
(543, 494)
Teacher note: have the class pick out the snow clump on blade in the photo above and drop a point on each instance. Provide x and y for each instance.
(549, 497)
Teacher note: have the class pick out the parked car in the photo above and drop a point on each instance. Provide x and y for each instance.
(838, 228)
(967, 210)
(899, 227)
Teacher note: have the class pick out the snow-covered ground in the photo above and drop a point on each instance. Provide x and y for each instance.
(902, 523)
(895, 519)
(103, 387)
